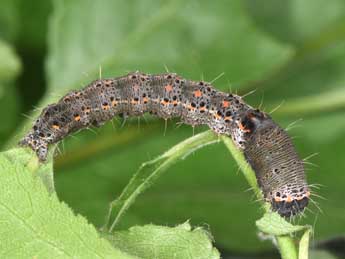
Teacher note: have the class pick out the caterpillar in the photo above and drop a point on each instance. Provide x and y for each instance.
(266, 146)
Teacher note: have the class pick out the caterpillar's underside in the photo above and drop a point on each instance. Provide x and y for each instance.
(266, 145)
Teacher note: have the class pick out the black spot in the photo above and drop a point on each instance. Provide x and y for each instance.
(228, 113)
(202, 104)
(248, 123)
(193, 105)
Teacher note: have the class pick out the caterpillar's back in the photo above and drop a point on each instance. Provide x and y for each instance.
(267, 147)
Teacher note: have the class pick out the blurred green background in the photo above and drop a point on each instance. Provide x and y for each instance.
(291, 52)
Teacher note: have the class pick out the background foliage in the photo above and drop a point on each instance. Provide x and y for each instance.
(289, 51)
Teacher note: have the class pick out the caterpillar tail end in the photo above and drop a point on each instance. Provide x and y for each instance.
(291, 208)
(37, 144)
(280, 172)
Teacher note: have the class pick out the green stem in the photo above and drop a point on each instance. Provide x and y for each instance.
(151, 171)
(286, 247)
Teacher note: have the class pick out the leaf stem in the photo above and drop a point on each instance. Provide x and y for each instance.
(151, 171)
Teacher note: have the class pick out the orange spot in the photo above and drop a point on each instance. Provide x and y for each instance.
(168, 88)
(77, 118)
(164, 102)
(114, 103)
(145, 99)
(226, 104)
(202, 108)
(228, 118)
(216, 116)
(87, 110)
(277, 199)
(105, 107)
(289, 199)
(56, 126)
(197, 93)
(134, 101)
(243, 128)
(307, 194)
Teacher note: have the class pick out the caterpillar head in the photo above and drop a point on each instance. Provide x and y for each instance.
(37, 144)
(280, 172)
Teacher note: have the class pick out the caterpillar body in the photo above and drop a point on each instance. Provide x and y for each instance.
(266, 146)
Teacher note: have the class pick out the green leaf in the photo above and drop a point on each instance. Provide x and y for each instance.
(175, 25)
(9, 19)
(157, 242)
(322, 254)
(272, 223)
(10, 67)
(34, 223)
(10, 64)
(334, 99)
(151, 171)
(297, 21)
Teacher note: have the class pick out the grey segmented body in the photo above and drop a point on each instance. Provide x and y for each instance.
(265, 145)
